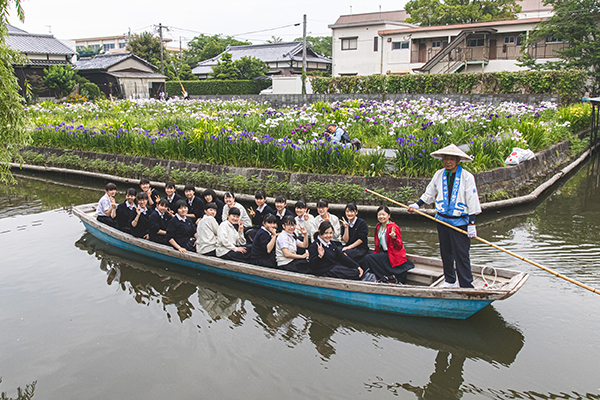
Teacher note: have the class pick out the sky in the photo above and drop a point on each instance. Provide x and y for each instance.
(75, 19)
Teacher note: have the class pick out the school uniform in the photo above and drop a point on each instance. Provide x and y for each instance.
(309, 225)
(206, 242)
(290, 242)
(219, 216)
(335, 222)
(141, 228)
(124, 211)
(158, 222)
(196, 207)
(182, 230)
(228, 240)
(334, 263)
(357, 230)
(155, 196)
(173, 200)
(259, 215)
(103, 205)
(244, 218)
(280, 216)
(258, 252)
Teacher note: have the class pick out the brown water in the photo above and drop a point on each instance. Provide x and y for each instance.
(84, 320)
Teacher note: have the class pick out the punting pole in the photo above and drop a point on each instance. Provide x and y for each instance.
(591, 289)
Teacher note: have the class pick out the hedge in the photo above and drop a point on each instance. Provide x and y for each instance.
(568, 84)
(217, 87)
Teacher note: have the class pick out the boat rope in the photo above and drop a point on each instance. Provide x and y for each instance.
(487, 285)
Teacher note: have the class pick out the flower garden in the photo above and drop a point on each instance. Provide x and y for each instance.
(249, 134)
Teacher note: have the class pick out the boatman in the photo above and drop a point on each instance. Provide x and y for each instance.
(457, 203)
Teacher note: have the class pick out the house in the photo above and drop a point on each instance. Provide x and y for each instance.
(109, 44)
(281, 58)
(41, 51)
(383, 43)
(122, 74)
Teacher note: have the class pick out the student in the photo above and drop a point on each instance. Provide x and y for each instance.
(210, 196)
(262, 209)
(355, 234)
(389, 263)
(140, 219)
(153, 196)
(106, 210)
(231, 203)
(324, 215)
(286, 253)
(124, 211)
(230, 238)
(195, 204)
(158, 222)
(262, 252)
(327, 259)
(304, 220)
(282, 211)
(181, 231)
(172, 196)
(207, 232)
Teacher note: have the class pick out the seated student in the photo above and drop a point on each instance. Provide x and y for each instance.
(324, 215)
(181, 231)
(153, 196)
(172, 196)
(389, 263)
(263, 247)
(124, 211)
(210, 196)
(195, 204)
(158, 222)
(230, 238)
(106, 210)
(231, 203)
(327, 259)
(282, 211)
(262, 209)
(286, 253)
(207, 232)
(304, 220)
(140, 219)
(355, 234)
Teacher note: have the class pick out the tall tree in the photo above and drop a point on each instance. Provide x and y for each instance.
(204, 47)
(575, 23)
(88, 51)
(275, 39)
(320, 44)
(61, 79)
(147, 47)
(225, 69)
(13, 135)
(250, 67)
(438, 12)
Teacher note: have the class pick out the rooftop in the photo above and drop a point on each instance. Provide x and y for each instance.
(105, 61)
(33, 43)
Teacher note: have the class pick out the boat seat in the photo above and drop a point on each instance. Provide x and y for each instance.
(423, 275)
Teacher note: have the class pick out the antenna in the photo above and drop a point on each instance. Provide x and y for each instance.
(49, 28)
(350, 9)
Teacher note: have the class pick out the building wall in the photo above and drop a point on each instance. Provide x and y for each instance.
(130, 63)
(290, 85)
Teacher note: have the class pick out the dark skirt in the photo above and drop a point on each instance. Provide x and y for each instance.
(236, 256)
(341, 272)
(357, 254)
(264, 262)
(379, 264)
(299, 265)
(107, 220)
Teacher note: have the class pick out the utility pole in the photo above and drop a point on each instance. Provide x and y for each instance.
(162, 66)
(304, 55)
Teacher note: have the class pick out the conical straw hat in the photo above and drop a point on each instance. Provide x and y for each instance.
(451, 150)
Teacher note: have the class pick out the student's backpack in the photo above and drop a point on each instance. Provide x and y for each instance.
(345, 137)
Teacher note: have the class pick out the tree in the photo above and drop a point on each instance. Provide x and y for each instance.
(204, 47)
(225, 69)
(319, 44)
(575, 23)
(275, 39)
(448, 12)
(147, 47)
(185, 73)
(61, 79)
(250, 67)
(88, 51)
(13, 135)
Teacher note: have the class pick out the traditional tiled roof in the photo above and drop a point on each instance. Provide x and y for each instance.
(104, 61)
(33, 43)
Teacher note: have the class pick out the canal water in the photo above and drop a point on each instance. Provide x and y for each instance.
(82, 320)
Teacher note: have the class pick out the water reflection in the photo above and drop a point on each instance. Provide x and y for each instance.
(486, 336)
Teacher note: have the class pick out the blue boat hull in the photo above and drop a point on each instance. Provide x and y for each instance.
(408, 305)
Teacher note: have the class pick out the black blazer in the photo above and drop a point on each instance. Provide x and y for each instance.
(157, 223)
(257, 220)
(181, 231)
(141, 229)
(360, 230)
(333, 256)
(259, 246)
(123, 216)
(280, 220)
(196, 208)
(176, 198)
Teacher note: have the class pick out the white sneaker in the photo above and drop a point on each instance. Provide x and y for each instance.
(446, 285)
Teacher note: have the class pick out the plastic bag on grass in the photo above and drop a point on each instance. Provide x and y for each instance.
(518, 156)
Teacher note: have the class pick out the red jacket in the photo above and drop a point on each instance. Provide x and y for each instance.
(396, 251)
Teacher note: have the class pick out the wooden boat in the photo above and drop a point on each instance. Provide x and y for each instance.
(420, 296)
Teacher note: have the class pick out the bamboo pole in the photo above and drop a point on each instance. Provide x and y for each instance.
(591, 289)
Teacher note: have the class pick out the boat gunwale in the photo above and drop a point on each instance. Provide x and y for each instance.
(518, 278)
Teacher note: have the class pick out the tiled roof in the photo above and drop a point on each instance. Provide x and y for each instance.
(32, 43)
(461, 26)
(370, 18)
(105, 61)
(46, 63)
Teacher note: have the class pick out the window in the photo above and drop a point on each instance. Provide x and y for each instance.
(475, 42)
(509, 40)
(79, 48)
(349, 43)
(122, 45)
(551, 39)
(95, 47)
(436, 44)
(400, 45)
(109, 46)
(376, 43)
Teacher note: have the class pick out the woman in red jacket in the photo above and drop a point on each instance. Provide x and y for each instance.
(389, 263)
